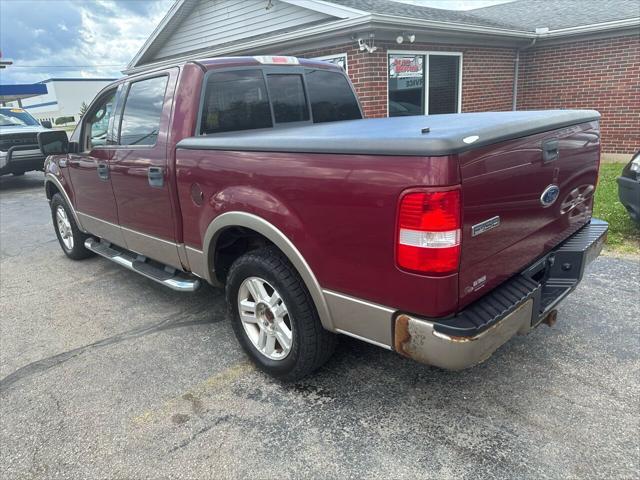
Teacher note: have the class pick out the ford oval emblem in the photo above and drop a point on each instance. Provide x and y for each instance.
(550, 195)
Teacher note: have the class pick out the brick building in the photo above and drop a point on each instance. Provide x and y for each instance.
(405, 59)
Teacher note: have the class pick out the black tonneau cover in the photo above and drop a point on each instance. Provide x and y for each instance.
(416, 135)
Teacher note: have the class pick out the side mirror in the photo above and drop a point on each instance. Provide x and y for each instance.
(54, 142)
(46, 124)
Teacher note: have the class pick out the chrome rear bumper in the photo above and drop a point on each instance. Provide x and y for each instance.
(417, 339)
(516, 307)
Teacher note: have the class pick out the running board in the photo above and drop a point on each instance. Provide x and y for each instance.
(167, 276)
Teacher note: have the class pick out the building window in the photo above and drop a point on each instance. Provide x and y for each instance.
(339, 59)
(424, 83)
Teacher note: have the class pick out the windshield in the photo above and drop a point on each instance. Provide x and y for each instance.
(16, 117)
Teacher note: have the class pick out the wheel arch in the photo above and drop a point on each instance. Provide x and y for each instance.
(52, 186)
(276, 237)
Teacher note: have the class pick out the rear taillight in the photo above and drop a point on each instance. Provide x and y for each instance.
(428, 236)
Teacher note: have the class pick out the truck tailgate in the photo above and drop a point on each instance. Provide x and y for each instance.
(521, 198)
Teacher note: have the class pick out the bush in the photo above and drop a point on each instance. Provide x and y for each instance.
(64, 120)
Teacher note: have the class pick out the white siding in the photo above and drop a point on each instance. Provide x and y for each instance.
(216, 22)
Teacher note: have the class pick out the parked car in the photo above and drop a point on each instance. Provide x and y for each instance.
(19, 151)
(436, 237)
(629, 187)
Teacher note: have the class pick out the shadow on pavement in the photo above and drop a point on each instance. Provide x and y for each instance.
(27, 181)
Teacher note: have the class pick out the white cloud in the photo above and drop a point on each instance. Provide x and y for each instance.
(74, 38)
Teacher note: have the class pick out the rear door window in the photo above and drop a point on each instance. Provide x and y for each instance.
(288, 98)
(142, 112)
(331, 96)
(235, 100)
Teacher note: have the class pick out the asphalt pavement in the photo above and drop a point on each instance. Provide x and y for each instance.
(105, 374)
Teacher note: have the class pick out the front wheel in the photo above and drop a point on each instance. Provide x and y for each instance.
(69, 235)
(273, 316)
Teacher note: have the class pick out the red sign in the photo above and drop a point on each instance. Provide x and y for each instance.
(405, 66)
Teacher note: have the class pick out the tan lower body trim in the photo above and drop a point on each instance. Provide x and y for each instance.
(197, 262)
(361, 319)
(103, 229)
(157, 249)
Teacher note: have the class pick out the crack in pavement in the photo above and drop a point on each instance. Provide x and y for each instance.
(195, 435)
(56, 360)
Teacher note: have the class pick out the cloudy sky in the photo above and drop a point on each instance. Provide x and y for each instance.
(73, 38)
(93, 38)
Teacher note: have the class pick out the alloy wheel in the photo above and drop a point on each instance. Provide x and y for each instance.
(265, 318)
(64, 228)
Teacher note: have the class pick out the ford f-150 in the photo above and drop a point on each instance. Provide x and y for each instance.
(439, 237)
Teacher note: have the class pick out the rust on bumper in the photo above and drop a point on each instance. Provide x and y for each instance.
(416, 338)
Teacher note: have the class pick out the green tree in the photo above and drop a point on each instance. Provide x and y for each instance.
(83, 109)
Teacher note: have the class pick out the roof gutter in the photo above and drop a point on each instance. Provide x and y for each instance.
(596, 27)
(449, 26)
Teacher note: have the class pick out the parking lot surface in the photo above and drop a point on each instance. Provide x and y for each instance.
(105, 374)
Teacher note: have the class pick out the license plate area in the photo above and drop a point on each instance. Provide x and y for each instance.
(546, 282)
(560, 271)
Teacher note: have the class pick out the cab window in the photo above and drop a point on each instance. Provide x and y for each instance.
(332, 98)
(235, 100)
(288, 98)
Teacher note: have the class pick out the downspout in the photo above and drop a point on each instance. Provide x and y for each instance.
(516, 74)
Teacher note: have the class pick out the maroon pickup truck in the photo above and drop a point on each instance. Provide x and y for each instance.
(438, 237)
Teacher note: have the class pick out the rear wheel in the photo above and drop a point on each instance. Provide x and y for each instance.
(273, 316)
(69, 235)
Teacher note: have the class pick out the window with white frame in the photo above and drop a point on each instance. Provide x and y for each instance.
(424, 83)
(338, 59)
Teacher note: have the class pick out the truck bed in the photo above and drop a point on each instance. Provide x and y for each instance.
(435, 135)
(335, 187)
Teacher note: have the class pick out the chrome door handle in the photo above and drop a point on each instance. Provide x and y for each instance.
(156, 176)
(103, 171)
(550, 150)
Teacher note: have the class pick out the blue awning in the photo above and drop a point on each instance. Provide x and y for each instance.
(9, 93)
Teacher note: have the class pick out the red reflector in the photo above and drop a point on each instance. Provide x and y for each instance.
(428, 235)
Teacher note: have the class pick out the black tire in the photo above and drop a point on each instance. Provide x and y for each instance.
(78, 250)
(311, 345)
